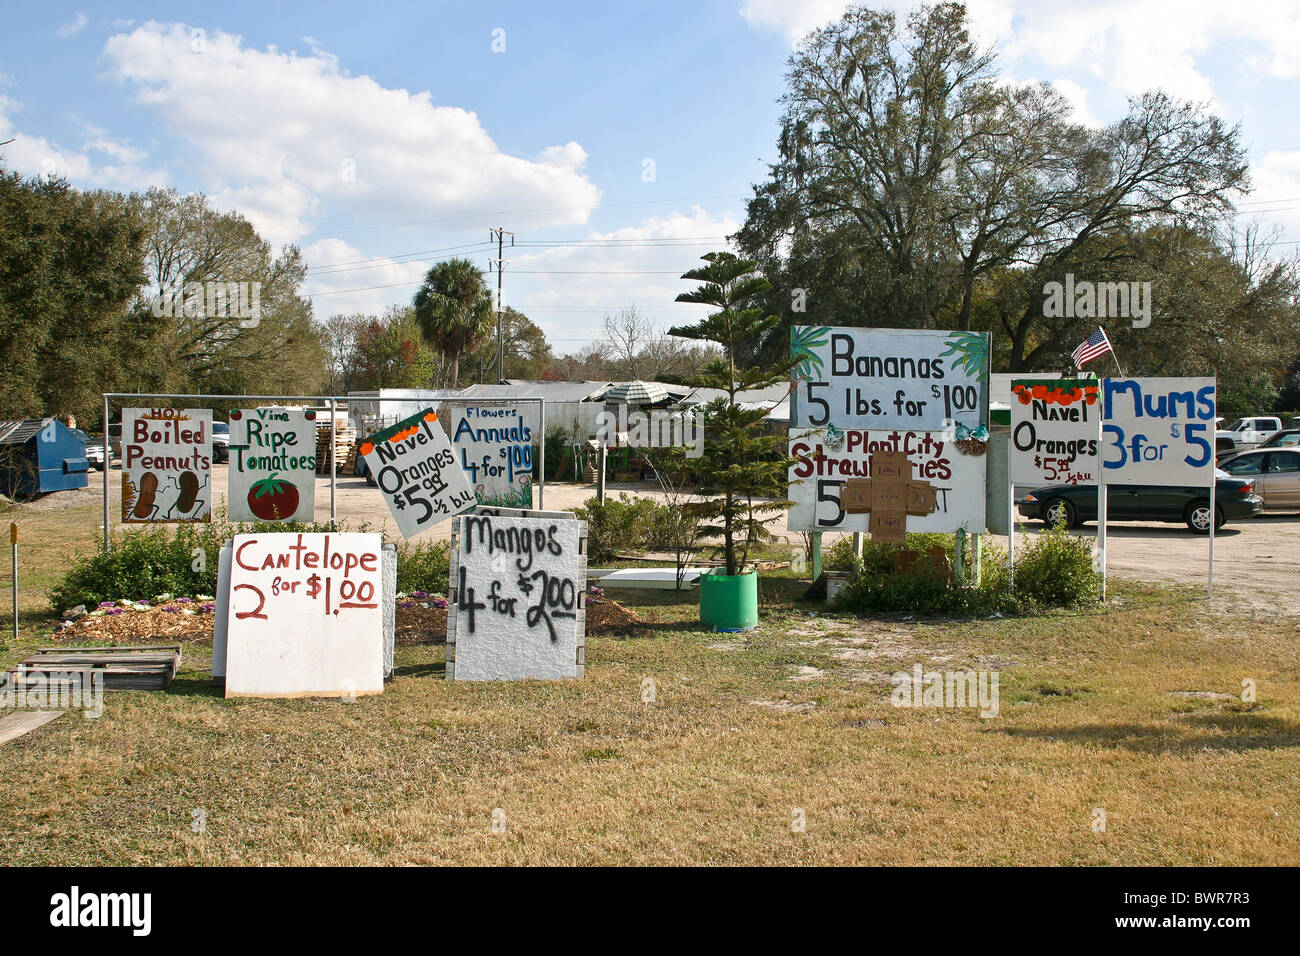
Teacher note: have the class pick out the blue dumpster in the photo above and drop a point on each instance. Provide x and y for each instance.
(40, 455)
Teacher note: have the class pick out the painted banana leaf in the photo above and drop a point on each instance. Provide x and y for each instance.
(970, 351)
(804, 340)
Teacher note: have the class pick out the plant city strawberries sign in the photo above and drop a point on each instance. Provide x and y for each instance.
(306, 615)
(1055, 431)
(272, 464)
(166, 464)
(416, 469)
(949, 471)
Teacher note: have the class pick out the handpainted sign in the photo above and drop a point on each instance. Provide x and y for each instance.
(1055, 431)
(888, 379)
(1158, 431)
(829, 494)
(417, 471)
(305, 616)
(166, 464)
(517, 597)
(272, 464)
(494, 446)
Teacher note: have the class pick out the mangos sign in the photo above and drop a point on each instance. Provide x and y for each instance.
(166, 464)
(272, 464)
(416, 469)
(888, 379)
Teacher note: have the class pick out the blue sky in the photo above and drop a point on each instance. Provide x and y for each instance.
(379, 138)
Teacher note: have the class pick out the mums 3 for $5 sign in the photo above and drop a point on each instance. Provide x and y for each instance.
(416, 469)
(306, 616)
(166, 464)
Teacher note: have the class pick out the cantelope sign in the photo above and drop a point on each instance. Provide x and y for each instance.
(305, 616)
(166, 464)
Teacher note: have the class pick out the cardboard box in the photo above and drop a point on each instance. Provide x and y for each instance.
(855, 499)
(889, 527)
(921, 498)
(890, 466)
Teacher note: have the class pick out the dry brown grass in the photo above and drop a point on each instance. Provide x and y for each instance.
(711, 772)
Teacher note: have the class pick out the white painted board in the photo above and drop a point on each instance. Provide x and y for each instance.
(166, 465)
(887, 379)
(306, 615)
(494, 447)
(1158, 431)
(518, 595)
(1055, 431)
(824, 462)
(416, 470)
(272, 464)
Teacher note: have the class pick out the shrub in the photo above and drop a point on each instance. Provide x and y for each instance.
(616, 524)
(424, 567)
(1056, 570)
(146, 562)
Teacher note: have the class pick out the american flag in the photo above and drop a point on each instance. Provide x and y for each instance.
(1094, 345)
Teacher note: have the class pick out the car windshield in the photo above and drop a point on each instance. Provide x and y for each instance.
(1239, 425)
(220, 428)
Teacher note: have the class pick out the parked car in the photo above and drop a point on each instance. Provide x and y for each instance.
(115, 439)
(1276, 474)
(220, 441)
(1283, 439)
(94, 449)
(1248, 432)
(1075, 504)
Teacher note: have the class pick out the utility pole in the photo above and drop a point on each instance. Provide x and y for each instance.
(500, 234)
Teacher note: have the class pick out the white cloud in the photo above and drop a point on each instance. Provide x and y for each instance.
(1131, 47)
(281, 134)
(335, 265)
(611, 270)
(73, 26)
(124, 167)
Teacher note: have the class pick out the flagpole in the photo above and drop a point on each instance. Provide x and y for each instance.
(1112, 351)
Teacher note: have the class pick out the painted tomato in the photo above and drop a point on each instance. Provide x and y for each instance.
(273, 499)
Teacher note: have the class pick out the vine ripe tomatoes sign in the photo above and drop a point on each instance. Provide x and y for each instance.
(272, 464)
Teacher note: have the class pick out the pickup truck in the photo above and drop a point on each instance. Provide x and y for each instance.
(1246, 433)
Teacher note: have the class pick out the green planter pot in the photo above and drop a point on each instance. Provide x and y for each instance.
(729, 602)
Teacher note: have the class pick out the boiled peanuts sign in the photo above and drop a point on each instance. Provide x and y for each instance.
(417, 472)
(166, 464)
(272, 464)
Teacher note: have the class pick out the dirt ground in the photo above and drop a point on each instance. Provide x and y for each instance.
(1256, 564)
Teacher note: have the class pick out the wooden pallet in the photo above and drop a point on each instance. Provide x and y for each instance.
(151, 667)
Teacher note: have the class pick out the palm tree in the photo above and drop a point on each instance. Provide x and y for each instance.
(454, 310)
